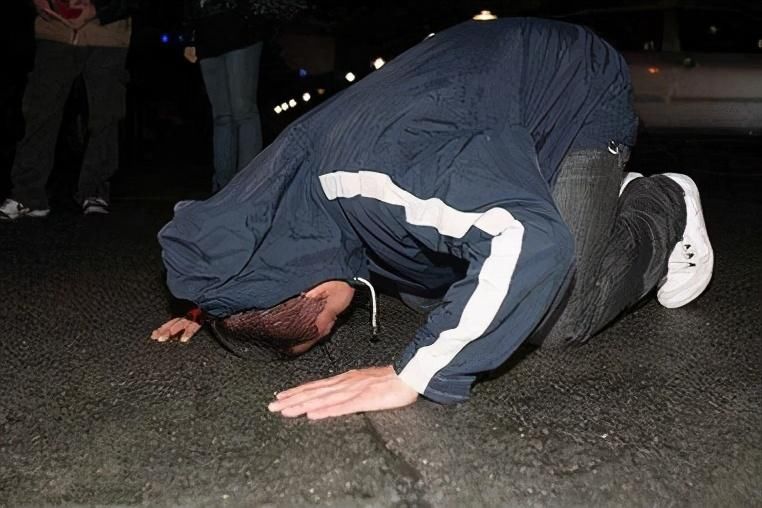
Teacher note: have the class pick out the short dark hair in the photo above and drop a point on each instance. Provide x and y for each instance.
(271, 333)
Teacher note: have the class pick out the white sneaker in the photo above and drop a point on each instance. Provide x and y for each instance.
(628, 177)
(94, 205)
(692, 261)
(12, 210)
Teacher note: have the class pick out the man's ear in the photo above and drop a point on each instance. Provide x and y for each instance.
(328, 289)
(317, 292)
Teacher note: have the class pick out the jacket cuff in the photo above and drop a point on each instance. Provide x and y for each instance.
(196, 315)
(441, 389)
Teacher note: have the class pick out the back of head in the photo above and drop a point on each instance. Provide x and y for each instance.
(280, 332)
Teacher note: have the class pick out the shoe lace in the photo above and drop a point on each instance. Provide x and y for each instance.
(687, 253)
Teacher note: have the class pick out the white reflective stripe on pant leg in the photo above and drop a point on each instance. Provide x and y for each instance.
(494, 278)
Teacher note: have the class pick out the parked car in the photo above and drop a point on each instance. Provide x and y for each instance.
(693, 69)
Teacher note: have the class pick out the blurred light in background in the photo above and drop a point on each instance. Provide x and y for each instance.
(378, 63)
(164, 38)
(653, 70)
(321, 91)
(292, 103)
(303, 73)
(349, 77)
(306, 97)
(284, 106)
(485, 16)
(278, 110)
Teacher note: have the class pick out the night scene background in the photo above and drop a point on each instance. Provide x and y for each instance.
(168, 124)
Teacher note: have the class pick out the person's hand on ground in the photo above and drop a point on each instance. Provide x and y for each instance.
(370, 389)
(190, 54)
(182, 328)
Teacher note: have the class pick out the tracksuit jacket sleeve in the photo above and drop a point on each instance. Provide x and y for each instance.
(520, 253)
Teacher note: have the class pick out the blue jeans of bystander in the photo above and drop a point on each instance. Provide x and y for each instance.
(231, 84)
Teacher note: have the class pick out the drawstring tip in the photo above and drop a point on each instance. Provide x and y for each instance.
(374, 309)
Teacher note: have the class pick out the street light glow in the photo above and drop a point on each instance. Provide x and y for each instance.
(278, 110)
(378, 63)
(485, 16)
(284, 106)
(306, 97)
(350, 77)
(292, 103)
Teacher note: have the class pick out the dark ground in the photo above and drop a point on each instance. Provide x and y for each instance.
(662, 409)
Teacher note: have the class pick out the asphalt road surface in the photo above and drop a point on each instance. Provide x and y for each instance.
(664, 408)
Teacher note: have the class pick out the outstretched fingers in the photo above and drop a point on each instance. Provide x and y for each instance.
(184, 328)
(316, 400)
(312, 385)
(162, 333)
(370, 389)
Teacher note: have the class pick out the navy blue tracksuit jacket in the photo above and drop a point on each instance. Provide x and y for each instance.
(448, 152)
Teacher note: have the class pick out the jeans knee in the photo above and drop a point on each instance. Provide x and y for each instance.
(244, 112)
(223, 120)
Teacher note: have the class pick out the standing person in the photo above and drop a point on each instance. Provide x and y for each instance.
(74, 37)
(228, 40)
(480, 172)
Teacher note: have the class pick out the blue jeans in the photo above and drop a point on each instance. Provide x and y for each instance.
(231, 84)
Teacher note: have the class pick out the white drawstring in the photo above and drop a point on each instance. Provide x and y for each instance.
(374, 313)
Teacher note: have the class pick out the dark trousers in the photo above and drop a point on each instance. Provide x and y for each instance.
(56, 67)
(11, 123)
(622, 243)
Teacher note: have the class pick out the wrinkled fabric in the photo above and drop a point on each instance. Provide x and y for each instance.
(475, 120)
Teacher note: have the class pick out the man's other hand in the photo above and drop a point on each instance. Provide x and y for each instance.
(88, 14)
(370, 389)
(182, 328)
(190, 54)
(42, 7)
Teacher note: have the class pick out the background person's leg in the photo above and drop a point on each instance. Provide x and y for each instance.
(215, 75)
(12, 87)
(105, 78)
(55, 69)
(243, 77)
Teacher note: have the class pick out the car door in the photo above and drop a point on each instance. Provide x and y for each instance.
(718, 85)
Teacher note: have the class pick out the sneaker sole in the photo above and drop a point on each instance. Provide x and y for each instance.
(95, 212)
(629, 177)
(686, 294)
(36, 214)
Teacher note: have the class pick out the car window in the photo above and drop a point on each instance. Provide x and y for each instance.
(625, 30)
(720, 31)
